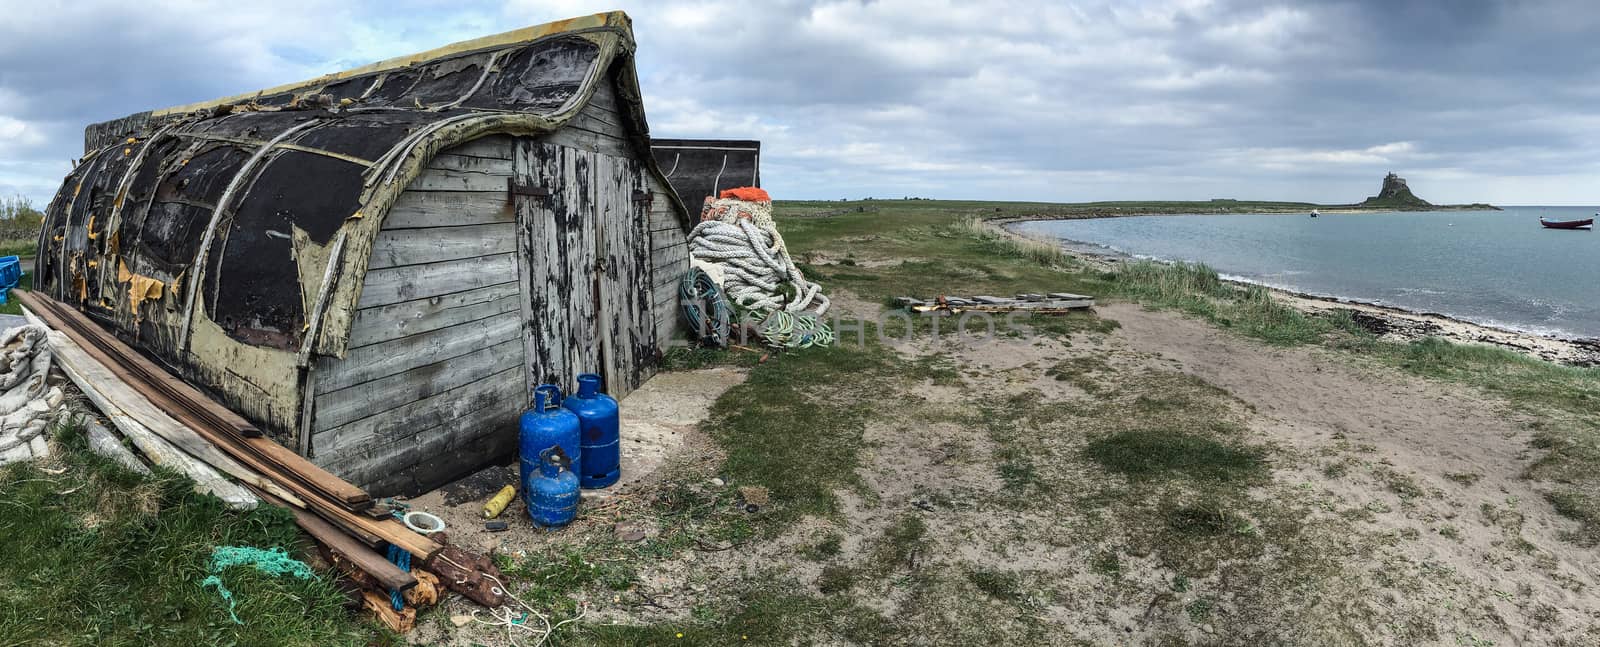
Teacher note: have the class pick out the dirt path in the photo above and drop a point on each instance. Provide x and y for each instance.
(1445, 466)
(1345, 504)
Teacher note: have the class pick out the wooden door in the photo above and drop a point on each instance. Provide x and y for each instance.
(585, 265)
(623, 277)
(553, 193)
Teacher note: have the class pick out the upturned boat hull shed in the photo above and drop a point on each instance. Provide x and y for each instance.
(377, 266)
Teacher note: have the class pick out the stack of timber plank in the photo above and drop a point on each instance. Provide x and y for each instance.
(1053, 302)
(177, 425)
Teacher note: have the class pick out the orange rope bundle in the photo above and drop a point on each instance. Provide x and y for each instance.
(747, 193)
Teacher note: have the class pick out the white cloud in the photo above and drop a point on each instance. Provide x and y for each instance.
(1099, 99)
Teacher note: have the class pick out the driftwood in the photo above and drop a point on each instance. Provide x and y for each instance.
(169, 442)
(115, 399)
(1052, 303)
(105, 443)
(133, 413)
(210, 431)
(471, 575)
(401, 621)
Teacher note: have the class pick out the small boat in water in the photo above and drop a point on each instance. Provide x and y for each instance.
(1314, 213)
(1567, 224)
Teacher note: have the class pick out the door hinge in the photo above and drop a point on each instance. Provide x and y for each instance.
(644, 197)
(518, 188)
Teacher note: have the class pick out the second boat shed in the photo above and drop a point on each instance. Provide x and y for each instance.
(702, 168)
(376, 266)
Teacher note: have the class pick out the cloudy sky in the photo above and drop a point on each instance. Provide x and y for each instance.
(1071, 101)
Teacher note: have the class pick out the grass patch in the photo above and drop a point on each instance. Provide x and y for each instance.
(689, 358)
(552, 577)
(828, 548)
(99, 555)
(1581, 506)
(1106, 563)
(795, 424)
(999, 585)
(1197, 290)
(902, 545)
(1527, 381)
(1204, 519)
(1086, 372)
(1162, 453)
(836, 579)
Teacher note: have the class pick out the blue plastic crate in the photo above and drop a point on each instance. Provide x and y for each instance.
(10, 275)
(10, 271)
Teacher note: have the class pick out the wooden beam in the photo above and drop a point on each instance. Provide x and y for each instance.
(262, 455)
(105, 443)
(384, 572)
(102, 389)
(335, 512)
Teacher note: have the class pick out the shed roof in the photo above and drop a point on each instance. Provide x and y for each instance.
(258, 211)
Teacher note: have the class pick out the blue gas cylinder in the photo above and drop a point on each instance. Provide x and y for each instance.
(552, 492)
(548, 425)
(598, 423)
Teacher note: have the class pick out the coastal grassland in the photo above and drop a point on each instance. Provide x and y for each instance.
(947, 248)
(907, 483)
(920, 491)
(95, 554)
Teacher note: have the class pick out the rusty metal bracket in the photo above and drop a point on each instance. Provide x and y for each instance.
(518, 188)
(644, 197)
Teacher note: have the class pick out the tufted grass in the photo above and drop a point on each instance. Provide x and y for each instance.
(100, 555)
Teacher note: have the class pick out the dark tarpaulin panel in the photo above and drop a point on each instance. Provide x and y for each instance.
(539, 77)
(287, 162)
(700, 168)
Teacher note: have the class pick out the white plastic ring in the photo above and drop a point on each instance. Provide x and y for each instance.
(433, 522)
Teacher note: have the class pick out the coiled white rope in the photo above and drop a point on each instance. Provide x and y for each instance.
(738, 245)
(755, 265)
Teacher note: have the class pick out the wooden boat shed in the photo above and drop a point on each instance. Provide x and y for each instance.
(702, 168)
(377, 265)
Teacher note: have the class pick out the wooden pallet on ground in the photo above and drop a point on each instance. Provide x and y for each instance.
(1051, 303)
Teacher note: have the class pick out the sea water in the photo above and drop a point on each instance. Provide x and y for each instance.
(1499, 268)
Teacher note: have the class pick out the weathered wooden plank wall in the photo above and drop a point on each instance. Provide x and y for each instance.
(474, 295)
(432, 381)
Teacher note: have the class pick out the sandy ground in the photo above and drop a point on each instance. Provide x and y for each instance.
(1450, 544)
(1466, 453)
(659, 420)
(1412, 522)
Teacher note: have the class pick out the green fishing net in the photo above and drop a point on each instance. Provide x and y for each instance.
(271, 561)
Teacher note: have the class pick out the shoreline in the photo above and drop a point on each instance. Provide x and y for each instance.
(1113, 212)
(1387, 322)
